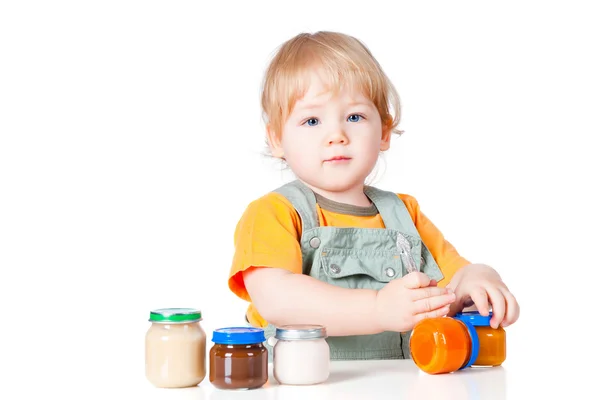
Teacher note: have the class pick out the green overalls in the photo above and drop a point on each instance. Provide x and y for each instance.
(364, 258)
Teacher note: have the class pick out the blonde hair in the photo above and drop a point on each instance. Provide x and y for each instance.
(343, 61)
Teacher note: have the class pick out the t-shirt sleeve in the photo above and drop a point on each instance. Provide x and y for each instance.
(444, 253)
(267, 235)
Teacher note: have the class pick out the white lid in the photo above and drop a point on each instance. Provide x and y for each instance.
(300, 332)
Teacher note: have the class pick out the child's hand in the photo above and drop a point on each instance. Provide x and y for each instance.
(402, 303)
(482, 286)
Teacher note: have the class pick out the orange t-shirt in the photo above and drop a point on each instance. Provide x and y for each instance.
(268, 235)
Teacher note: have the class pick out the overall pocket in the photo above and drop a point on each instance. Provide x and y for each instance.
(362, 269)
(359, 269)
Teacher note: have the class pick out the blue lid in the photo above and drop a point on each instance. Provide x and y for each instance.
(474, 318)
(474, 344)
(238, 335)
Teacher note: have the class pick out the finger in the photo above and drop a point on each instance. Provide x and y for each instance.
(498, 306)
(468, 302)
(440, 312)
(416, 280)
(430, 291)
(480, 299)
(457, 306)
(433, 303)
(433, 282)
(512, 308)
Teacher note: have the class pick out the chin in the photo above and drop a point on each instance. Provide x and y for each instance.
(336, 186)
(339, 187)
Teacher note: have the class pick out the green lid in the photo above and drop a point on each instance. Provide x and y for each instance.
(175, 315)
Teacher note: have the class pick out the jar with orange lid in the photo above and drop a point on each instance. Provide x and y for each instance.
(448, 344)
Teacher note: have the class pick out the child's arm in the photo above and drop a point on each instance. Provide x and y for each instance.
(282, 298)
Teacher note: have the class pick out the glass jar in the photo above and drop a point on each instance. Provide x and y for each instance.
(492, 342)
(448, 344)
(301, 355)
(238, 359)
(175, 348)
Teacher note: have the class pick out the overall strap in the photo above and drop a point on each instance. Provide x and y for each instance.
(304, 201)
(392, 209)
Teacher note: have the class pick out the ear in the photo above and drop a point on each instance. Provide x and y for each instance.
(274, 142)
(386, 136)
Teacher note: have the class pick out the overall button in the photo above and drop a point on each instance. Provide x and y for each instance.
(390, 272)
(315, 242)
(335, 269)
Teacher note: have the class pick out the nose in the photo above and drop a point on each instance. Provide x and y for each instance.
(337, 136)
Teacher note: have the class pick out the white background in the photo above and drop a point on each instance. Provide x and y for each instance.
(131, 141)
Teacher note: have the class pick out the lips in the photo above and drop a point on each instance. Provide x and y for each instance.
(338, 158)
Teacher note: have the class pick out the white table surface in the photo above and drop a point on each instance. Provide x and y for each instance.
(389, 379)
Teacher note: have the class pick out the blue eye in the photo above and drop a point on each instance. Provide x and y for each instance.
(355, 118)
(311, 122)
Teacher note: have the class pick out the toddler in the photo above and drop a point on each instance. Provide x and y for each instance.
(329, 249)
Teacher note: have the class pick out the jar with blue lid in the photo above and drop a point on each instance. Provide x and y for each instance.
(492, 341)
(448, 344)
(238, 358)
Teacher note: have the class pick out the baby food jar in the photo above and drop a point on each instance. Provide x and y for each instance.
(175, 348)
(492, 342)
(448, 344)
(300, 355)
(238, 359)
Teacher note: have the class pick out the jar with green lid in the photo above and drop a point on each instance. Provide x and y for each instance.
(175, 348)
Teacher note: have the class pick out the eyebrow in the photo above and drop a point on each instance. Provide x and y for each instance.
(358, 103)
(312, 106)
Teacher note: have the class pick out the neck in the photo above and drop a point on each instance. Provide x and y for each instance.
(354, 196)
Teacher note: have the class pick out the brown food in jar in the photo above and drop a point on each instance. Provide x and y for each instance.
(239, 366)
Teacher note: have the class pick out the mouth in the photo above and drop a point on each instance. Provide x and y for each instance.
(338, 159)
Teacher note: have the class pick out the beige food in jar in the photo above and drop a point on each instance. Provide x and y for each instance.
(175, 354)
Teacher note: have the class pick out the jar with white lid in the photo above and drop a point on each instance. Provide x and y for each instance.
(301, 355)
(175, 348)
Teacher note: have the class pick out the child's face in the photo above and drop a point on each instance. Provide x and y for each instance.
(331, 143)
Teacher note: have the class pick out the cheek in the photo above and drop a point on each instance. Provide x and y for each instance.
(291, 148)
(370, 141)
(300, 155)
(297, 144)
